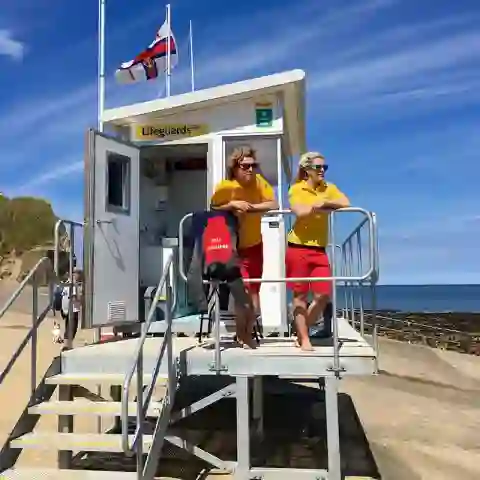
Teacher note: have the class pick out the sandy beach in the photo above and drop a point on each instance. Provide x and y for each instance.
(15, 390)
(421, 415)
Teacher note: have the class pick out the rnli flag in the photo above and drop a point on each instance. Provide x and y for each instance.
(152, 61)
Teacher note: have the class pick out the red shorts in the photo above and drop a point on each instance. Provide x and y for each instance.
(308, 262)
(251, 265)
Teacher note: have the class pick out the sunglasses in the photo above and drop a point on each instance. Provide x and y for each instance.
(319, 167)
(248, 166)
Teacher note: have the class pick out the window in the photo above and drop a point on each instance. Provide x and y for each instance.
(118, 183)
(266, 150)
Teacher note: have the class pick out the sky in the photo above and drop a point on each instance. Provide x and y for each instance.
(393, 102)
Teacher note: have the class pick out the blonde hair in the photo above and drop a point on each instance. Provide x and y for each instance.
(305, 162)
(238, 154)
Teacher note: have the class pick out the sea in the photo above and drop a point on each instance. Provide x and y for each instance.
(421, 298)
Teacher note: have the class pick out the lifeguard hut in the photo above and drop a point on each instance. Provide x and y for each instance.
(156, 163)
(162, 163)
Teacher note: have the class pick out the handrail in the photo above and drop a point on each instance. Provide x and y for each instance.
(36, 322)
(137, 363)
(24, 283)
(56, 251)
(71, 283)
(361, 278)
(334, 278)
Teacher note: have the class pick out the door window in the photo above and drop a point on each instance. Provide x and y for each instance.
(118, 183)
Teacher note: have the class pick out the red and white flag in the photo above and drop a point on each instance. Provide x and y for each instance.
(152, 61)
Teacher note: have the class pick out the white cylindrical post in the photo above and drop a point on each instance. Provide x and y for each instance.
(169, 63)
(101, 62)
(192, 65)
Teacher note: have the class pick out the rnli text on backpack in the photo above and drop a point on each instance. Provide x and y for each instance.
(219, 250)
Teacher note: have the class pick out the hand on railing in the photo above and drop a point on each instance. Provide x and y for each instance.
(372, 244)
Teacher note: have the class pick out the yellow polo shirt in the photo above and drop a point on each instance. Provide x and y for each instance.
(250, 230)
(311, 230)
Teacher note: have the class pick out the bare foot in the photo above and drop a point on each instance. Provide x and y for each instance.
(306, 346)
(238, 339)
(297, 342)
(249, 343)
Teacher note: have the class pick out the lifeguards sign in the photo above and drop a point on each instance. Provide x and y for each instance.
(164, 132)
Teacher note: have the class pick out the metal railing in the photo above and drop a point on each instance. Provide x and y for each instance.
(37, 319)
(354, 290)
(56, 268)
(143, 398)
(346, 276)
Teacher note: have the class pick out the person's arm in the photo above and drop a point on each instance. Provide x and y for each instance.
(335, 200)
(301, 210)
(222, 200)
(269, 202)
(225, 207)
(298, 205)
(234, 206)
(265, 206)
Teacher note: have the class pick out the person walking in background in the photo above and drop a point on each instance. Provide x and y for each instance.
(246, 193)
(71, 323)
(311, 198)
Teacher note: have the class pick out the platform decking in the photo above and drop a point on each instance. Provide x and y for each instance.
(274, 356)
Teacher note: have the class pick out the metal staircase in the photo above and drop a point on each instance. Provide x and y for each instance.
(154, 394)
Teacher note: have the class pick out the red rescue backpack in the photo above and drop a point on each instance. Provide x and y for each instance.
(217, 241)
(219, 249)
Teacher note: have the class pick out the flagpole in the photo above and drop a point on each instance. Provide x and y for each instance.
(101, 63)
(192, 65)
(169, 66)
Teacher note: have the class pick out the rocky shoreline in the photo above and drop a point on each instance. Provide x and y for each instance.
(458, 331)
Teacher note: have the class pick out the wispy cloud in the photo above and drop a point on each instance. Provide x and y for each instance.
(404, 65)
(288, 41)
(71, 112)
(56, 172)
(9, 46)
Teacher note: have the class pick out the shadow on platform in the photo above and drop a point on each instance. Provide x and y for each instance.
(295, 433)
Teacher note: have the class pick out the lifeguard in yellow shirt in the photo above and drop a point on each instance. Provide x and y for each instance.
(311, 197)
(246, 193)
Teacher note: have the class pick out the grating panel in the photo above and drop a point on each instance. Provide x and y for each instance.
(117, 311)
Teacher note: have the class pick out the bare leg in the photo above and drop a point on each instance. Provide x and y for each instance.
(316, 307)
(300, 314)
(255, 298)
(245, 319)
(240, 322)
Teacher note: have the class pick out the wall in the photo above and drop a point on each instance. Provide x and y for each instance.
(226, 119)
(266, 150)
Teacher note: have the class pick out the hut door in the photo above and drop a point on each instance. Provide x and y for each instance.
(112, 231)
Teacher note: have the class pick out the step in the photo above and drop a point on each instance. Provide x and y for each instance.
(81, 406)
(98, 379)
(87, 442)
(54, 474)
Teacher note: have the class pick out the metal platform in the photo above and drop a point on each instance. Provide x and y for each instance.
(274, 356)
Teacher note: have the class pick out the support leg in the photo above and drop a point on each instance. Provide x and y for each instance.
(65, 425)
(333, 431)
(116, 396)
(258, 406)
(242, 472)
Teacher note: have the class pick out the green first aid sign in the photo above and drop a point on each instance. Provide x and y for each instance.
(264, 115)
